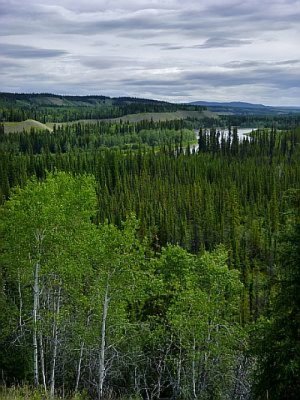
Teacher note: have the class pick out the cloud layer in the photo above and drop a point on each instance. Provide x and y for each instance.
(172, 50)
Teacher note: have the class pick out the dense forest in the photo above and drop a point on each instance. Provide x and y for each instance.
(150, 260)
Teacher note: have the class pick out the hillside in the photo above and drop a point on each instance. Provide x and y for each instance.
(12, 127)
(240, 108)
(49, 99)
(154, 116)
(51, 108)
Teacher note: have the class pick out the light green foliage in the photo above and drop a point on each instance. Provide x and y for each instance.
(50, 243)
(44, 226)
(203, 317)
(59, 210)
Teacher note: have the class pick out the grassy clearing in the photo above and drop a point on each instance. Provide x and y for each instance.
(15, 127)
(166, 116)
(12, 127)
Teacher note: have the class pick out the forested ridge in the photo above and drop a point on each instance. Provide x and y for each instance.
(140, 262)
(47, 107)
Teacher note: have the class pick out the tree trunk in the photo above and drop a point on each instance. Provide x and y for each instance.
(103, 344)
(39, 237)
(35, 317)
(20, 304)
(194, 369)
(55, 344)
(79, 367)
(42, 359)
(179, 366)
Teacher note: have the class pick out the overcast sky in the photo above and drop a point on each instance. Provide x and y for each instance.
(176, 50)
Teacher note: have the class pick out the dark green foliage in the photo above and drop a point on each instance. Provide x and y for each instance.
(91, 136)
(277, 340)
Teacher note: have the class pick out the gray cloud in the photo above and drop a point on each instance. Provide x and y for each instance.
(153, 48)
(24, 52)
(100, 63)
(153, 18)
(255, 64)
(266, 77)
(9, 64)
(174, 47)
(221, 80)
(211, 43)
(220, 42)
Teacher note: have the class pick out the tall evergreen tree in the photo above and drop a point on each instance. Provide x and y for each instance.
(278, 338)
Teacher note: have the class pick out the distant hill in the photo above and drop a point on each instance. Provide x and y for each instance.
(54, 100)
(48, 108)
(23, 111)
(240, 107)
(239, 104)
(48, 99)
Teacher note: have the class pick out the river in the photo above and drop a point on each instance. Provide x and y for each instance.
(242, 132)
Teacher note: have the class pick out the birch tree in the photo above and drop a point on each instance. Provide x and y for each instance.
(203, 317)
(119, 278)
(42, 224)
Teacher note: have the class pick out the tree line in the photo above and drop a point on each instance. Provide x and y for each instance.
(54, 108)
